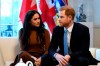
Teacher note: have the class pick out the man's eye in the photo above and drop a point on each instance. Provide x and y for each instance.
(61, 17)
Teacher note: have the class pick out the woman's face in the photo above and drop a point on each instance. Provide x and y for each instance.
(35, 21)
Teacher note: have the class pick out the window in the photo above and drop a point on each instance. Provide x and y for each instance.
(9, 18)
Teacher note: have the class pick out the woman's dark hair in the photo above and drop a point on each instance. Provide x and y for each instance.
(27, 28)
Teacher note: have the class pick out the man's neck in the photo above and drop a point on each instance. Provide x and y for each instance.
(70, 24)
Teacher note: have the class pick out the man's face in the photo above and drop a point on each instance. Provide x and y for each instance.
(64, 20)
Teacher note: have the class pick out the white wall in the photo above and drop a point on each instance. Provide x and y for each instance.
(90, 26)
(96, 39)
(92, 10)
(97, 12)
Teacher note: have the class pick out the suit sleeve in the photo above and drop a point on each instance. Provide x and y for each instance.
(53, 44)
(47, 43)
(82, 43)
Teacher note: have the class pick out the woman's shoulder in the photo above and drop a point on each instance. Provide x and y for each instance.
(45, 30)
(21, 30)
(46, 33)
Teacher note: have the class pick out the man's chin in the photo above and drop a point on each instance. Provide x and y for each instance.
(60, 25)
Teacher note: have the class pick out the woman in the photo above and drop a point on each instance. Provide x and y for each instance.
(34, 40)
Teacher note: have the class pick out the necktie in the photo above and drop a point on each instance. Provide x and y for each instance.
(65, 42)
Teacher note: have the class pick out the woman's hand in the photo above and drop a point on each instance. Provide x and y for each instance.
(33, 57)
(38, 62)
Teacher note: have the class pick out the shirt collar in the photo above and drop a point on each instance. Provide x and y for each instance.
(70, 28)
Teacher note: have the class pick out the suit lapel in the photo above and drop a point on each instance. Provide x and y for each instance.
(73, 34)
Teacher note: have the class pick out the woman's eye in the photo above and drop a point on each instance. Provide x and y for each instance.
(36, 18)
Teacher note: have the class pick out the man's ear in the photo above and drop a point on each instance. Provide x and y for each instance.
(70, 17)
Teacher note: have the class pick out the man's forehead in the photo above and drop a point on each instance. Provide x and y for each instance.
(61, 12)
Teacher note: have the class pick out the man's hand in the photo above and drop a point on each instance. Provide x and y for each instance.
(63, 61)
(67, 57)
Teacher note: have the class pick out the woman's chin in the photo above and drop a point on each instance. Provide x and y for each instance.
(37, 25)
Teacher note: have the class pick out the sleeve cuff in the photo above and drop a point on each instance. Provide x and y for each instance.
(55, 55)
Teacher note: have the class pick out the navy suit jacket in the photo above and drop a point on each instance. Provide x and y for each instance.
(79, 42)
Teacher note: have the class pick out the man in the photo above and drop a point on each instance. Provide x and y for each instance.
(78, 41)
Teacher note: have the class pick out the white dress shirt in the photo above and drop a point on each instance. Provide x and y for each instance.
(69, 34)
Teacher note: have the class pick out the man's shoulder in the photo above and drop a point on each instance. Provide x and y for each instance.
(79, 25)
(58, 27)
